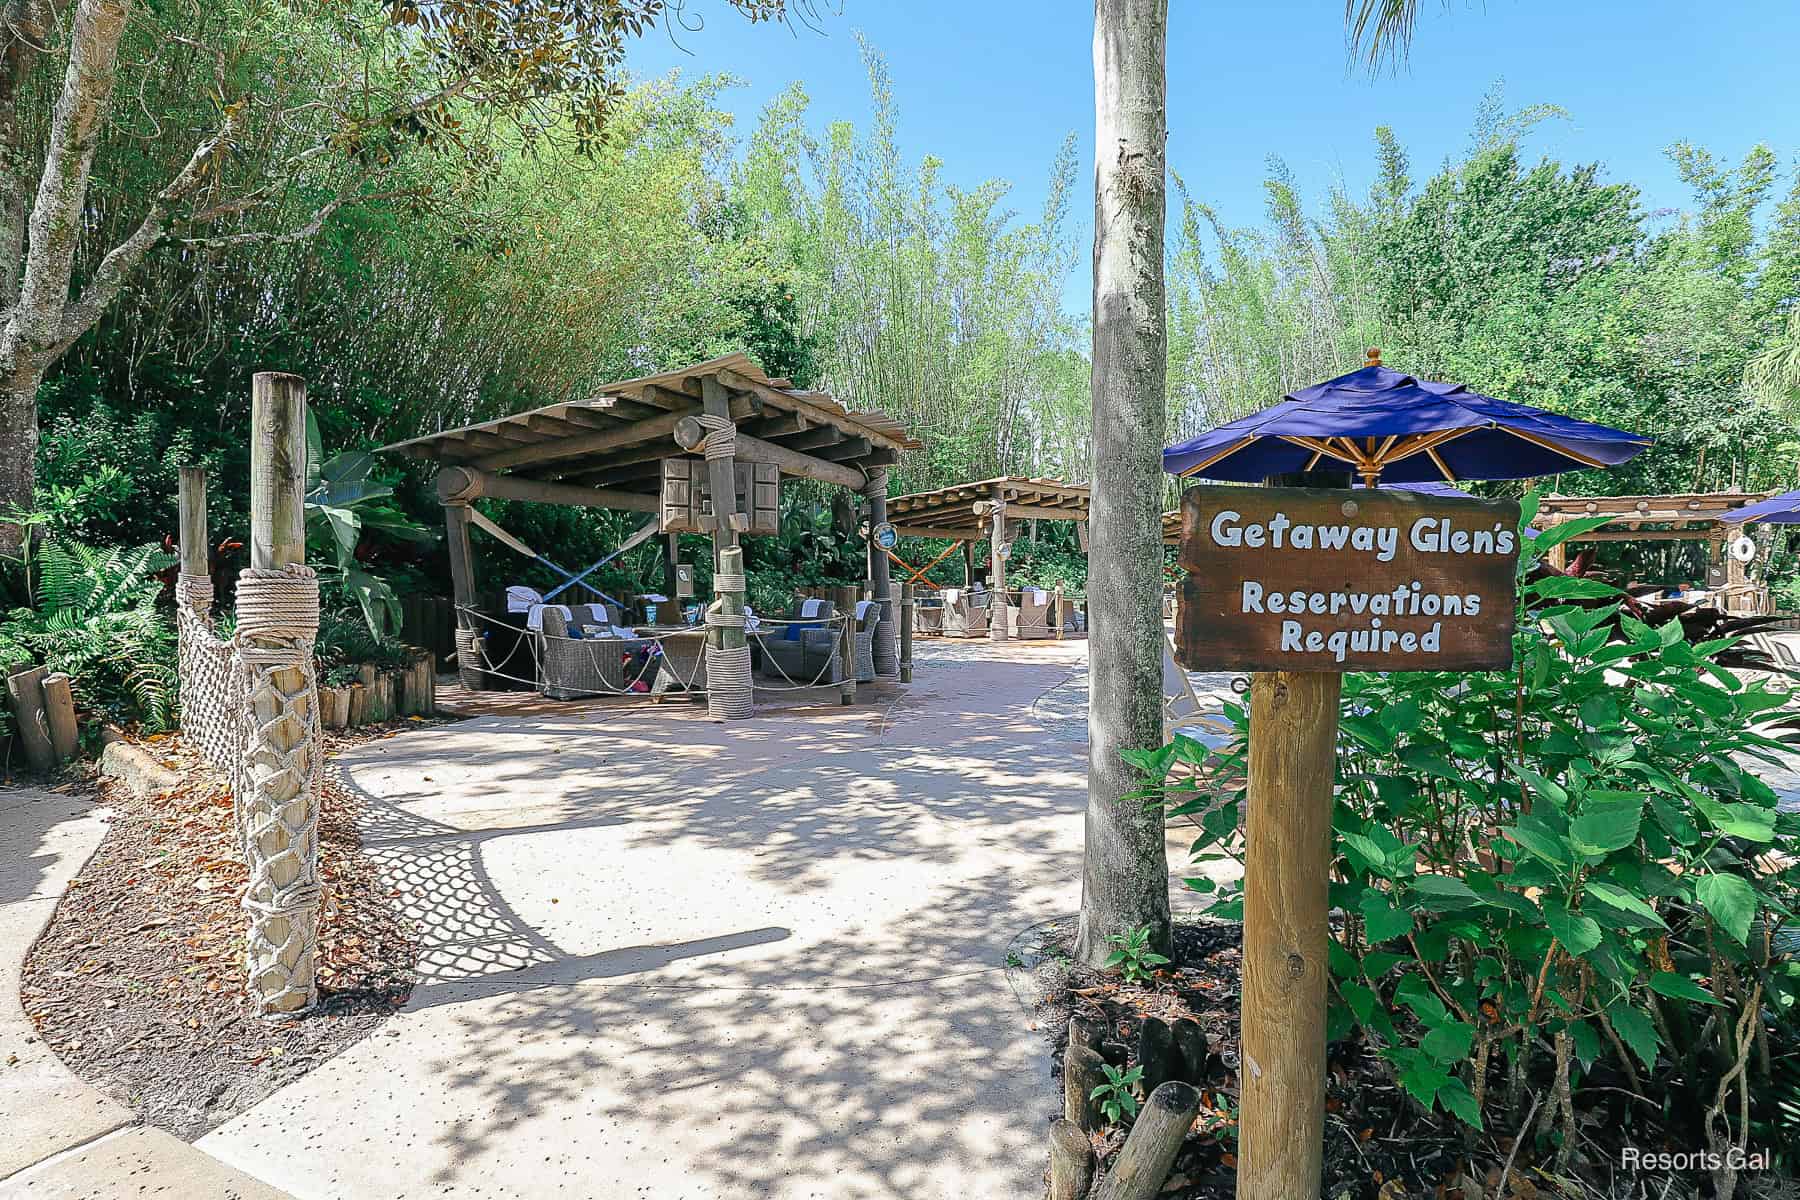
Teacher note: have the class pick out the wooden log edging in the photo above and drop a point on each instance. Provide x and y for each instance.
(1142, 1167)
(25, 696)
(1071, 1161)
(59, 715)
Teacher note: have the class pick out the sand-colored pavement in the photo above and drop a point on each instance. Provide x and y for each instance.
(672, 958)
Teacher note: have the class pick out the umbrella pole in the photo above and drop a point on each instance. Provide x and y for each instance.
(1287, 864)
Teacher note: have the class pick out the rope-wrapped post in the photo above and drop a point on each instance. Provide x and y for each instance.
(997, 606)
(729, 692)
(909, 608)
(881, 585)
(278, 622)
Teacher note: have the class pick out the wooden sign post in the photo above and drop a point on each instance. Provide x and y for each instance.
(1300, 585)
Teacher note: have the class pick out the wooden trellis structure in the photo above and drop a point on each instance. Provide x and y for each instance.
(1688, 517)
(701, 448)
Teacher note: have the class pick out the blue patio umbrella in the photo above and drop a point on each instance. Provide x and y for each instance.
(1776, 510)
(1425, 489)
(1390, 428)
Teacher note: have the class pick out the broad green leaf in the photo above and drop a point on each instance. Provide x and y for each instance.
(1636, 1030)
(1731, 901)
(1383, 920)
(1738, 820)
(1563, 587)
(1454, 1095)
(1445, 889)
(1680, 987)
(1586, 1042)
(1449, 1042)
(1539, 839)
(1576, 931)
(1539, 785)
(1617, 897)
(1603, 828)
(1364, 852)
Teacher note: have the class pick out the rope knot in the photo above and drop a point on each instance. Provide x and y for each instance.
(721, 436)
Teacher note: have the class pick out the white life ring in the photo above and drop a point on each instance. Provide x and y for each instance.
(1743, 549)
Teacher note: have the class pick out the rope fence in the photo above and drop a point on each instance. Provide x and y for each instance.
(565, 667)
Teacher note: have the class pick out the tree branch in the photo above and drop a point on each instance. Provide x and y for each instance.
(271, 237)
(103, 287)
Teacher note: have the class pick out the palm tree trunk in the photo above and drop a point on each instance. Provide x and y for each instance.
(1125, 878)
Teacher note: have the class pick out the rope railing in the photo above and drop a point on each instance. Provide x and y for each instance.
(604, 676)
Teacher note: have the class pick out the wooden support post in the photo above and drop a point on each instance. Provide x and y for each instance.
(191, 501)
(1056, 611)
(881, 585)
(997, 621)
(462, 563)
(1071, 1161)
(1142, 1167)
(728, 558)
(909, 599)
(25, 694)
(279, 804)
(968, 549)
(59, 715)
(845, 599)
(671, 559)
(1287, 866)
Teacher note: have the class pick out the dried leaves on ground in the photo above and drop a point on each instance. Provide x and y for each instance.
(138, 983)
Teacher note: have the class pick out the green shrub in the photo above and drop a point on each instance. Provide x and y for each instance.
(96, 619)
(1550, 876)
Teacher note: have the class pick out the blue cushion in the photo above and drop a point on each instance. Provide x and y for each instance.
(793, 631)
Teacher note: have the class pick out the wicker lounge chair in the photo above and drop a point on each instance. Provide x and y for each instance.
(584, 661)
(928, 618)
(868, 621)
(810, 655)
(963, 617)
(1030, 617)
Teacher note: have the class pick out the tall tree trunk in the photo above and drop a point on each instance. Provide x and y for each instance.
(1125, 878)
(36, 331)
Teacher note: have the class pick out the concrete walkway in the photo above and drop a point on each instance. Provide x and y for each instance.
(669, 958)
(58, 1136)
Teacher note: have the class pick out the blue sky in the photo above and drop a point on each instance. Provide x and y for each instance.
(992, 88)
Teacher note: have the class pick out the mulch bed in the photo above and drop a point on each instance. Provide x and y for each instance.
(1377, 1147)
(138, 983)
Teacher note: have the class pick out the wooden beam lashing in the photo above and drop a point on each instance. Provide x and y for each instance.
(690, 435)
(463, 484)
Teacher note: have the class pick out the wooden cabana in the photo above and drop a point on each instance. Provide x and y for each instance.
(700, 449)
(989, 510)
(965, 513)
(1689, 517)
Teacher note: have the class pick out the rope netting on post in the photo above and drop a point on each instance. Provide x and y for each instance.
(277, 799)
(211, 686)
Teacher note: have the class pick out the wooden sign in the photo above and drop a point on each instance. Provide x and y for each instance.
(1320, 579)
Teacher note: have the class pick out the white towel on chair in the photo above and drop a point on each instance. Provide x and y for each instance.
(862, 608)
(1036, 595)
(951, 596)
(534, 620)
(520, 598)
(810, 608)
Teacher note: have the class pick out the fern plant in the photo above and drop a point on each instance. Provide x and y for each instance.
(96, 620)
